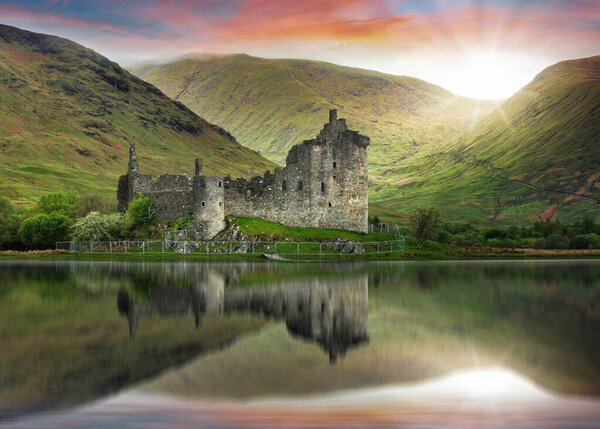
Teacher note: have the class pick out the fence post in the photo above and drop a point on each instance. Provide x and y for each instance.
(320, 244)
(391, 246)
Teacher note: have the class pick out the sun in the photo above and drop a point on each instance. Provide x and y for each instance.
(484, 77)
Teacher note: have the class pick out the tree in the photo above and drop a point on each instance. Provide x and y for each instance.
(96, 227)
(424, 223)
(8, 222)
(140, 212)
(63, 203)
(44, 230)
(95, 203)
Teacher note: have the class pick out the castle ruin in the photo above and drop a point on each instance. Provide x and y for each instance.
(323, 185)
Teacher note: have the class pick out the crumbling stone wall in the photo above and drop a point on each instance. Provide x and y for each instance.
(175, 196)
(323, 185)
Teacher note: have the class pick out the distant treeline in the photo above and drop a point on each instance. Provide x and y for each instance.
(583, 234)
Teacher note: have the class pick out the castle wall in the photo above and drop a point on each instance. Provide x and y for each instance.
(323, 185)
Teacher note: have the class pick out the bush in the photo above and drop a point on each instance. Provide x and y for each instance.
(8, 222)
(44, 230)
(587, 241)
(556, 241)
(539, 244)
(97, 227)
(494, 233)
(66, 204)
(140, 212)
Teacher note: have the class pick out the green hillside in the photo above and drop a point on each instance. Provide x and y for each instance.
(68, 114)
(536, 157)
(272, 104)
(533, 158)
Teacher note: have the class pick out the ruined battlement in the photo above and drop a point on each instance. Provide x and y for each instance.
(175, 196)
(323, 184)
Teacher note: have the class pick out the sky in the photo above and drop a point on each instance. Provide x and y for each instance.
(481, 49)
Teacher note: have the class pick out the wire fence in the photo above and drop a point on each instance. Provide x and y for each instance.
(283, 248)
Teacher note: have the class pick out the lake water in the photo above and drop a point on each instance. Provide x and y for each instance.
(260, 345)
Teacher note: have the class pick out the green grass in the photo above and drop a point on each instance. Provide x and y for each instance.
(272, 231)
(67, 116)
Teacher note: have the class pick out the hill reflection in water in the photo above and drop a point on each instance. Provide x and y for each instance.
(73, 332)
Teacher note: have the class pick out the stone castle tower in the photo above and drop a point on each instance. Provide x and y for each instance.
(324, 185)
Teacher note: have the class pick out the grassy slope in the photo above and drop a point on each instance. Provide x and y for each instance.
(68, 114)
(272, 231)
(544, 135)
(270, 105)
(544, 138)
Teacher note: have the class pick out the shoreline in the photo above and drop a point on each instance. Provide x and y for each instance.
(463, 254)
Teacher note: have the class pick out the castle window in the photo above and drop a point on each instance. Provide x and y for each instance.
(334, 164)
(203, 203)
(283, 185)
(322, 186)
(330, 204)
(220, 184)
(300, 185)
(249, 193)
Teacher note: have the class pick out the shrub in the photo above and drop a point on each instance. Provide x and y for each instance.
(556, 241)
(66, 204)
(587, 241)
(539, 244)
(44, 230)
(494, 233)
(97, 227)
(140, 212)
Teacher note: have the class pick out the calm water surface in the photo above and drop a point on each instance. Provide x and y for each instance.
(185, 344)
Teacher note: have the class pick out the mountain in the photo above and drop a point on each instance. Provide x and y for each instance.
(533, 157)
(272, 104)
(536, 157)
(67, 115)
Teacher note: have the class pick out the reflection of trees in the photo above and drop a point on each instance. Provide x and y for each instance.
(331, 312)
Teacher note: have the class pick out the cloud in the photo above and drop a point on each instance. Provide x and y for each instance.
(382, 34)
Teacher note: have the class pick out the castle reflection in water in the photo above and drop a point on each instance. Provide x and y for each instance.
(331, 311)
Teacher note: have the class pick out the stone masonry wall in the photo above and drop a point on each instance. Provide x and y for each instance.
(323, 185)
